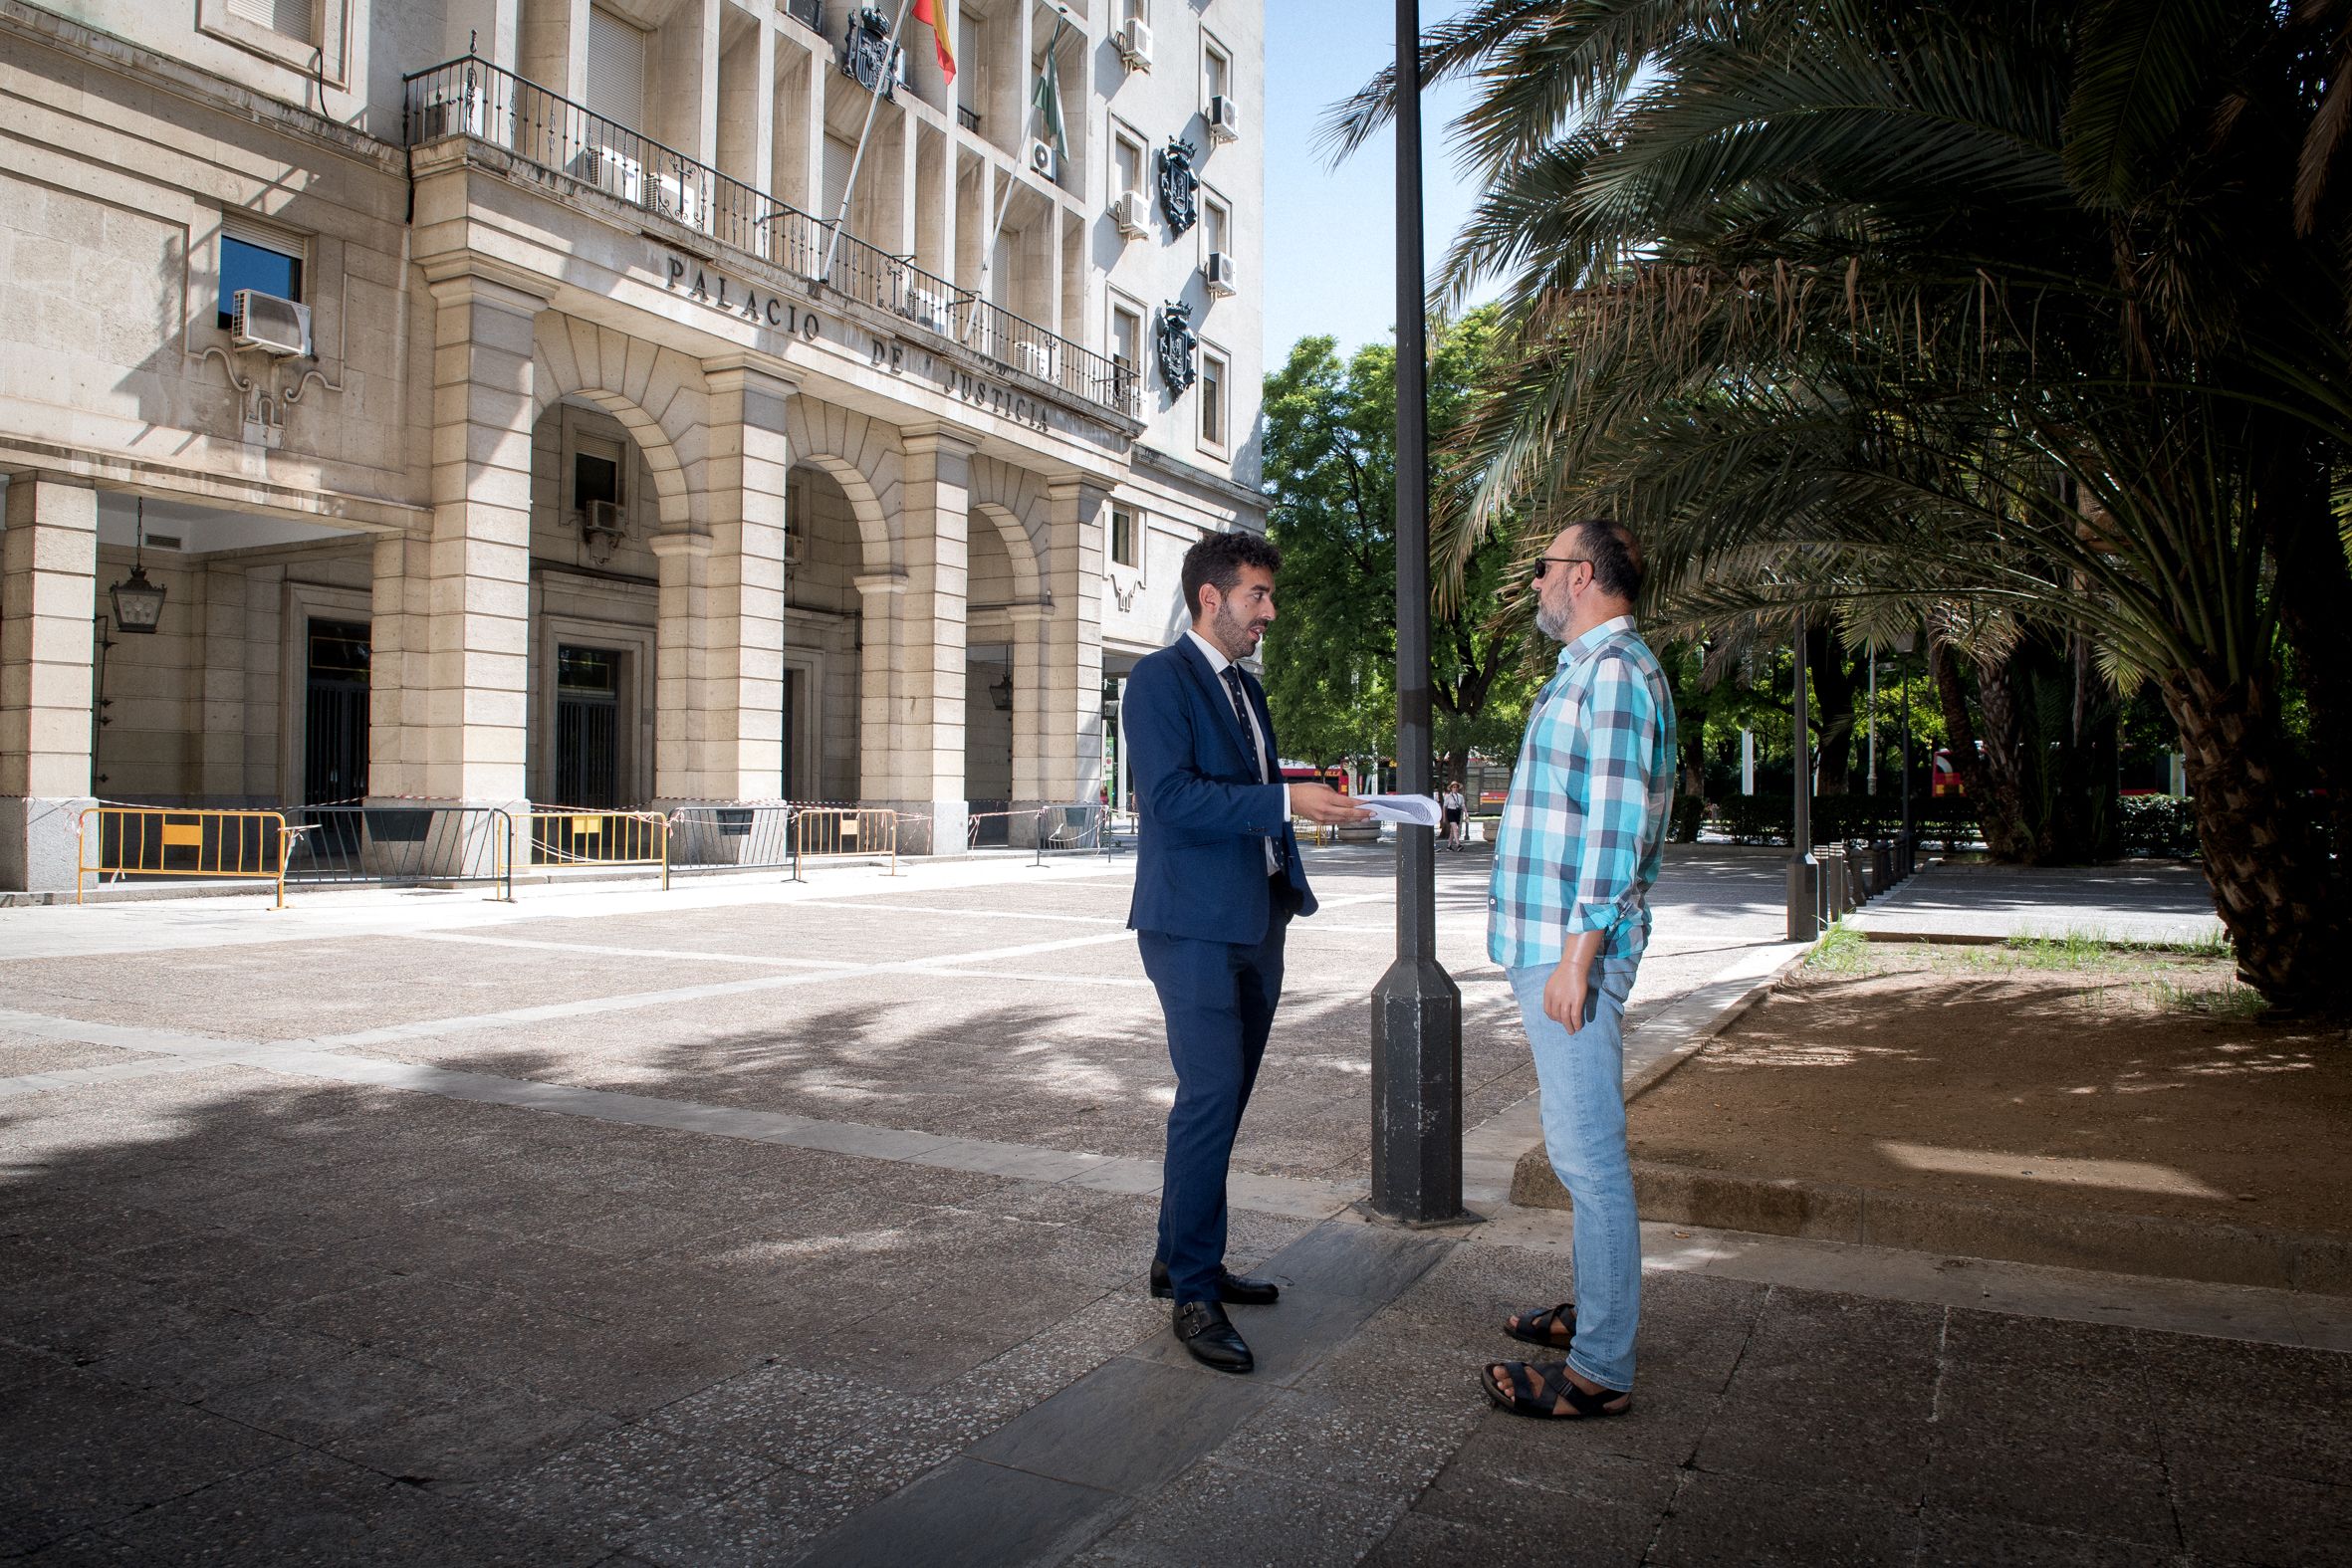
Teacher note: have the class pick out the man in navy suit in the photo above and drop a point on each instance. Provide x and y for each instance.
(1216, 880)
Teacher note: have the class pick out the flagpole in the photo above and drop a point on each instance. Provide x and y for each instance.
(988, 252)
(825, 273)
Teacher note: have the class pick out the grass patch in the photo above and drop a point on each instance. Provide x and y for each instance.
(1842, 951)
(2230, 1000)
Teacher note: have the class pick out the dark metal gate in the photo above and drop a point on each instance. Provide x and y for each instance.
(588, 727)
(335, 730)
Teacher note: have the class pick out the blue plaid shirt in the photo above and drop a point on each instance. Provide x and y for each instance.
(1585, 825)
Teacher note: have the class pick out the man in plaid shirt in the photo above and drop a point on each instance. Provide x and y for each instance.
(1568, 916)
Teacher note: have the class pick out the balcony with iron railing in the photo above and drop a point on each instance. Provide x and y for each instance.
(471, 98)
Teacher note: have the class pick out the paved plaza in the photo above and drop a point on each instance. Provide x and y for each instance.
(752, 1222)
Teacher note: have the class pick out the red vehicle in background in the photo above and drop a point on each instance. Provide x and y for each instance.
(1301, 773)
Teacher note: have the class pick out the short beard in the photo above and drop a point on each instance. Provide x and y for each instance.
(1233, 634)
(1554, 624)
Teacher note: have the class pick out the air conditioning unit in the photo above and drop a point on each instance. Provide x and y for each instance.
(675, 196)
(1044, 159)
(602, 528)
(1134, 40)
(1131, 211)
(1035, 357)
(1225, 120)
(277, 327)
(1221, 273)
(458, 115)
(610, 171)
(935, 310)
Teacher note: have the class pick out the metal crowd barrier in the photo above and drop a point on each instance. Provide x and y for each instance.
(1081, 829)
(404, 845)
(732, 838)
(827, 833)
(600, 838)
(155, 840)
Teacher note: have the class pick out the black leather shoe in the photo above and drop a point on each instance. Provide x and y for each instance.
(1232, 1289)
(1202, 1328)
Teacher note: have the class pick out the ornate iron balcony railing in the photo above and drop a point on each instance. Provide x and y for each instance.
(470, 97)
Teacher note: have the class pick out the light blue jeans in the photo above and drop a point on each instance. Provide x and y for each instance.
(1582, 1076)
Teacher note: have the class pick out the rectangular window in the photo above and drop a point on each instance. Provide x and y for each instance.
(1212, 400)
(287, 17)
(1216, 227)
(971, 55)
(1126, 335)
(616, 69)
(249, 264)
(1136, 11)
(1126, 164)
(1123, 535)
(1217, 72)
(593, 478)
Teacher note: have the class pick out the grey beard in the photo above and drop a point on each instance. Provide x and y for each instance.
(1552, 624)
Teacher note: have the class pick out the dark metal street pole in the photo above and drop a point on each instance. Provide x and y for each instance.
(1905, 862)
(1804, 872)
(1416, 1008)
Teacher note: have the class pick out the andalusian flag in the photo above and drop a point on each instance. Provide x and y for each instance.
(1046, 100)
(927, 13)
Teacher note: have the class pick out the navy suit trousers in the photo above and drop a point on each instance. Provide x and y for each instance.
(1219, 1000)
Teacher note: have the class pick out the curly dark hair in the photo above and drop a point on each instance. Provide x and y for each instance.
(1219, 558)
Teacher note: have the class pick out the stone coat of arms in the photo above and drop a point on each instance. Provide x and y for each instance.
(1177, 340)
(1179, 182)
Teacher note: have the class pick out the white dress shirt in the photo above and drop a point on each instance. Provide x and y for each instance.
(1266, 769)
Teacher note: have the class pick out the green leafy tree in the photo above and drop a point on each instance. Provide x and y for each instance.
(2024, 322)
(1330, 482)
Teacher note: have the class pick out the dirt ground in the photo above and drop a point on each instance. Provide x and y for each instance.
(2050, 1074)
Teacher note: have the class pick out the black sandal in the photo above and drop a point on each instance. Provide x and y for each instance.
(1537, 1392)
(1534, 1328)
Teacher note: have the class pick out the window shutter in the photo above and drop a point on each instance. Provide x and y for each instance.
(616, 70)
(291, 18)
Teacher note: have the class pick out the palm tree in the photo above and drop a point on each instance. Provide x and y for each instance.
(2036, 310)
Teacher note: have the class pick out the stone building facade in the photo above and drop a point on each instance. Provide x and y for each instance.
(608, 476)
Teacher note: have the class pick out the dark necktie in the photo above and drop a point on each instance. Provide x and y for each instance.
(1241, 711)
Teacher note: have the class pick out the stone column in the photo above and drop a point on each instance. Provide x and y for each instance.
(919, 746)
(1066, 735)
(48, 636)
(450, 668)
(680, 721)
(742, 691)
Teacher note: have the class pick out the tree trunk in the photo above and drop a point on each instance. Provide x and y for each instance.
(1989, 775)
(2270, 871)
(1833, 693)
(2312, 588)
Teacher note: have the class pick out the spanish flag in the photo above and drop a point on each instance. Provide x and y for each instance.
(927, 13)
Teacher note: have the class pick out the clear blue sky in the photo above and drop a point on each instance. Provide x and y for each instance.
(1330, 233)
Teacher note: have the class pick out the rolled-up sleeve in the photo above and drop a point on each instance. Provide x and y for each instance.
(1623, 739)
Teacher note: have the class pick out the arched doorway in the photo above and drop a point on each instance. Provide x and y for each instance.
(823, 637)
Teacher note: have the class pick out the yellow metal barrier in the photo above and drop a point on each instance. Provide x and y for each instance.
(602, 838)
(155, 840)
(825, 831)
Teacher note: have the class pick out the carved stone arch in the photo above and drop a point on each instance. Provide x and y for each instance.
(860, 455)
(1027, 582)
(656, 393)
(1023, 509)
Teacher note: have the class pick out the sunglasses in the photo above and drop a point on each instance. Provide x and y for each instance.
(1545, 564)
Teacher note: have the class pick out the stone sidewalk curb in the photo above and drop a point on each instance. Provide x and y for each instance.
(2229, 1255)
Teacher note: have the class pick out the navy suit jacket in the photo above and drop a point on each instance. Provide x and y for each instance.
(1200, 863)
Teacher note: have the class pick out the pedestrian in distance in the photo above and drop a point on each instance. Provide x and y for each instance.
(1453, 803)
(1582, 837)
(1217, 882)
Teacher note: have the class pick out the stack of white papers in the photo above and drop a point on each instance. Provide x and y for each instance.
(1422, 810)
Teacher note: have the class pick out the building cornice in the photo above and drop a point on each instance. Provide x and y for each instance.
(1207, 479)
(205, 88)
